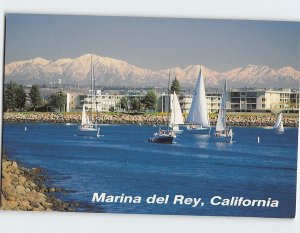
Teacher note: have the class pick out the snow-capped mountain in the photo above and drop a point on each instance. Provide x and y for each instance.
(113, 72)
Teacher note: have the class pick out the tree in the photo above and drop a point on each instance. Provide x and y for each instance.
(58, 99)
(175, 86)
(111, 109)
(150, 100)
(35, 96)
(14, 97)
(124, 103)
(21, 97)
(135, 104)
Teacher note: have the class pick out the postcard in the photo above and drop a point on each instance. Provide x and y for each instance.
(141, 115)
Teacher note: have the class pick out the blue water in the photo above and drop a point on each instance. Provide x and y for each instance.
(123, 162)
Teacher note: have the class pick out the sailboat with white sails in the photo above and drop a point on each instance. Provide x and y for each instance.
(176, 117)
(278, 126)
(167, 136)
(198, 114)
(223, 133)
(89, 124)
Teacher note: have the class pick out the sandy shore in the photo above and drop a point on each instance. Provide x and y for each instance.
(24, 189)
(290, 120)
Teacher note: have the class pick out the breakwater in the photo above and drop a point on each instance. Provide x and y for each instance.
(24, 189)
(289, 120)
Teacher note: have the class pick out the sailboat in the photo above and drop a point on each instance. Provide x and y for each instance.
(88, 123)
(223, 133)
(167, 136)
(278, 126)
(198, 114)
(176, 118)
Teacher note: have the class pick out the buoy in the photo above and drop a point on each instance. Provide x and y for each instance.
(25, 129)
(258, 140)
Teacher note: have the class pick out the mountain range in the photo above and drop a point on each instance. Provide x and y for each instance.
(113, 72)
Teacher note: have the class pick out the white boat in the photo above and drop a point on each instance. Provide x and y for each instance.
(278, 126)
(198, 115)
(222, 133)
(88, 124)
(176, 118)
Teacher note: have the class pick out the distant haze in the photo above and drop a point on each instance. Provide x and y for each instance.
(113, 72)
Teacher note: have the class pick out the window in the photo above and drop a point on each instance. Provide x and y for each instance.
(251, 106)
(251, 94)
(235, 106)
(235, 94)
(251, 100)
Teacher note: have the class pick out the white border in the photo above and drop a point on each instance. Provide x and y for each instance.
(83, 222)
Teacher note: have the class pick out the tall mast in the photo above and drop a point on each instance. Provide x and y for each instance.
(169, 85)
(169, 100)
(94, 93)
(91, 91)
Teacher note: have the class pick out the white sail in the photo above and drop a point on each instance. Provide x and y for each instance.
(198, 112)
(281, 129)
(221, 123)
(278, 124)
(176, 114)
(84, 117)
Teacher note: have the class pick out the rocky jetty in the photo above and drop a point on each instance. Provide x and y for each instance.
(234, 119)
(24, 189)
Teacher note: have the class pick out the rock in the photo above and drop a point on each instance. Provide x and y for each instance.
(25, 205)
(20, 190)
(12, 204)
(23, 189)
(48, 205)
(36, 170)
(22, 180)
(14, 165)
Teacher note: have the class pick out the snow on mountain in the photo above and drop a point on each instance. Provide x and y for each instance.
(113, 72)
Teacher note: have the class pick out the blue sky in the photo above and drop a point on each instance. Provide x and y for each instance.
(155, 43)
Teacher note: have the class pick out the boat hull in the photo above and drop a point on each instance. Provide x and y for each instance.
(198, 130)
(279, 131)
(225, 139)
(176, 130)
(88, 131)
(162, 139)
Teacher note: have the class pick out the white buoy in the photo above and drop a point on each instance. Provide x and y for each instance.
(25, 129)
(258, 140)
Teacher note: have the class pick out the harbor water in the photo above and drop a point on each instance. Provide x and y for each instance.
(259, 164)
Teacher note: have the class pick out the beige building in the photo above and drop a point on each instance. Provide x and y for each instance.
(73, 101)
(262, 100)
(101, 103)
(238, 100)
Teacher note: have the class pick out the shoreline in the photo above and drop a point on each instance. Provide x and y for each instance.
(237, 119)
(24, 189)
